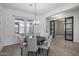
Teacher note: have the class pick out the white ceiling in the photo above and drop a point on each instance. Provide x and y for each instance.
(41, 8)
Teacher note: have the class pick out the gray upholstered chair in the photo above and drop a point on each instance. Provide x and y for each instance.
(46, 44)
(32, 45)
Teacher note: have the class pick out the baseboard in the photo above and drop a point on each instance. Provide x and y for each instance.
(10, 44)
(1, 47)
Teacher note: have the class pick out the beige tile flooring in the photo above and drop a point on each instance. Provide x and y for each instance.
(58, 47)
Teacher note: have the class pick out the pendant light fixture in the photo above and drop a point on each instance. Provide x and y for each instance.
(35, 22)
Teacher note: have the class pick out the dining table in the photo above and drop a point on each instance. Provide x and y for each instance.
(40, 40)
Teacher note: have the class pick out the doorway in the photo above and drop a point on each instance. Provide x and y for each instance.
(59, 28)
(63, 28)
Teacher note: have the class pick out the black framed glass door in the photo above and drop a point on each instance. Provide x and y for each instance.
(52, 28)
(69, 28)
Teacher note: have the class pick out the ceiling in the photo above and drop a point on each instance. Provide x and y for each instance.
(41, 8)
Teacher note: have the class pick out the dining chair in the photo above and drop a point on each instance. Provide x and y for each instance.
(21, 42)
(32, 45)
(46, 44)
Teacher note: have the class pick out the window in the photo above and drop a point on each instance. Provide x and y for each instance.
(29, 26)
(19, 26)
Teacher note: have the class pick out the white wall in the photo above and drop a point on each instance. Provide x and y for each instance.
(48, 26)
(56, 27)
(59, 28)
(8, 27)
(1, 27)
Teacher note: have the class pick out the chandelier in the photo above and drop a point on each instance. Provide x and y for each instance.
(35, 22)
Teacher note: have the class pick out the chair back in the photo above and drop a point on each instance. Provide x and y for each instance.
(32, 44)
(49, 40)
(19, 37)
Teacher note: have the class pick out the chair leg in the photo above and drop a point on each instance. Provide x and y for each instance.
(36, 53)
(42, 49)
(47, 52)
(38, 50)
(28, 53)
(21, 51)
